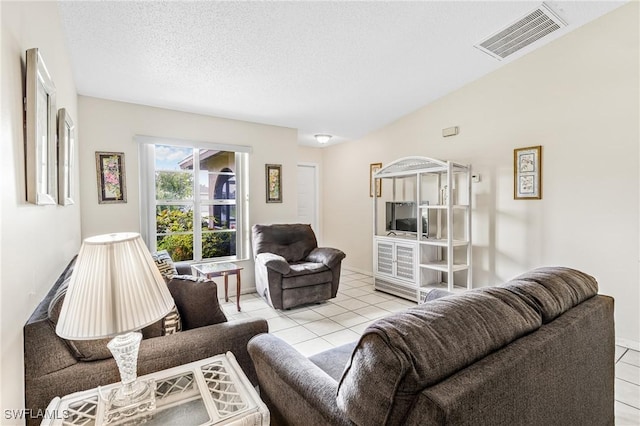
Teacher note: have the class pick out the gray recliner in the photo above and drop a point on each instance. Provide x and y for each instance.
(291, 269)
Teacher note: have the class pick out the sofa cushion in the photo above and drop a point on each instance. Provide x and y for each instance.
(197, 301)
(305, 268)
(94, 350)
(165, 264)
(294, 242)
(83, 350)
(333, 361)
(297, 281)
(400, 355)
(553, 290)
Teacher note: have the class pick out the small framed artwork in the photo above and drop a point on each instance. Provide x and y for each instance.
(527, 173)
(375, 184)
(40, 144)
(111, 177)
(273, 175)
(66, 146)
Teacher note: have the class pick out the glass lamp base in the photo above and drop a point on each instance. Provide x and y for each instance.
(133, 397)
(142, 401)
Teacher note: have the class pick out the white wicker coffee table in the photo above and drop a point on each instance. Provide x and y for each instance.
(212, 391)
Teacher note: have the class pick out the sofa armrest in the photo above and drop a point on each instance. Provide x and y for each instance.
(436, 293)
(274, 262)
(187, 346)
(326, 255)
(293, 387)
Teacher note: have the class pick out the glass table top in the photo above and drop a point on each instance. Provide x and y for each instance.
(211, 268)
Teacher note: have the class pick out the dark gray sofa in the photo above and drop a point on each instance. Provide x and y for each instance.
(291, 269)
(538, 350)
(54, 367)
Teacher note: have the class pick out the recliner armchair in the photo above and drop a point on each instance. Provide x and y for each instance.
(291, 269)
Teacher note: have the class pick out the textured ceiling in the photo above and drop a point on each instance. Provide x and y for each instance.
(342, 68)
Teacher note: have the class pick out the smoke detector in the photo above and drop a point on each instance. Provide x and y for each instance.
(535, 25)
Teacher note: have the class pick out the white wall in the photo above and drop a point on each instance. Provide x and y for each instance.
(37, 242)
(111, 126)
(578, 98)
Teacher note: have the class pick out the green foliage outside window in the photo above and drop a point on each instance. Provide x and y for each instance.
(180, 246)
(174, 186)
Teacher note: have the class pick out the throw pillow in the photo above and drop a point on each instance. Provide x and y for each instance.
(165, 264)
(197, 301)
(172, 323)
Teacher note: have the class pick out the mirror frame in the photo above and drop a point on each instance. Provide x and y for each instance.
(66, 160)
(40, 151)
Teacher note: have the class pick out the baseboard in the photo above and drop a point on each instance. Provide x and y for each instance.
(629, 344)
(360, 271)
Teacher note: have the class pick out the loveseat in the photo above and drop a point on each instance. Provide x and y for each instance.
(291, 269)
(56, 367)
(538, 350)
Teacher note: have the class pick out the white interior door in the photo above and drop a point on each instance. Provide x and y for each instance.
(308, 195)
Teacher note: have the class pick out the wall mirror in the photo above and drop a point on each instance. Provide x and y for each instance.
(40, 150)
(66, 148)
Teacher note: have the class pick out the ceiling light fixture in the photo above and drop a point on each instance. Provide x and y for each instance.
(321, 138)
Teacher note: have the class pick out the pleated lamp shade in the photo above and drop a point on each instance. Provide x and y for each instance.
(115, 288)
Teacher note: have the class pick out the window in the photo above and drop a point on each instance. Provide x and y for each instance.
(193, 198)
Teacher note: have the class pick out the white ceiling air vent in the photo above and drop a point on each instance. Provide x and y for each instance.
(532, 27)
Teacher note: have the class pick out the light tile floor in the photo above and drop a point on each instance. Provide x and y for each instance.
(314, 328)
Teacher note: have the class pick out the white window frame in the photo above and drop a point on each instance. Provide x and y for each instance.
(146, 146)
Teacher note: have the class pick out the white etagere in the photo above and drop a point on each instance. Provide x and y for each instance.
(408, 264)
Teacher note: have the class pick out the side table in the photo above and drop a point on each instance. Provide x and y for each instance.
(211, 270)
(212, 391)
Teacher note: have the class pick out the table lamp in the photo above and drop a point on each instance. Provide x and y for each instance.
(116, 289)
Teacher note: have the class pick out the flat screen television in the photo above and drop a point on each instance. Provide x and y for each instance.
(401, 218)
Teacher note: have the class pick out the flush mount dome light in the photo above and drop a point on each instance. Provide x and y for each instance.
(322, 138)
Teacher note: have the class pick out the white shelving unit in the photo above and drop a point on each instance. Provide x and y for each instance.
(408, 263)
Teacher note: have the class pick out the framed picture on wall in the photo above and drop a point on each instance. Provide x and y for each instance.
(375, 184)
(111, 177)
(527, 173)
(273, 177)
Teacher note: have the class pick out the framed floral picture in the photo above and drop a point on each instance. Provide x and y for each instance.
(111, 177)
(527, 176)
(273, 177)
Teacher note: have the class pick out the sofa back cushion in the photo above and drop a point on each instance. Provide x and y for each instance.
(294, 242)
(94, 350)
(400, 355)
(553, 290)
(82, 350)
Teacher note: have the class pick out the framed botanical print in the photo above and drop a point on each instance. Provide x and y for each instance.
(527, 173)
(273, 177)
(111, 177)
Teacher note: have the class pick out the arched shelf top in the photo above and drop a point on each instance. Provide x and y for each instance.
(416, 165)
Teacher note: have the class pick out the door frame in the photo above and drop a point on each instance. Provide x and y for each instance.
(316, 190)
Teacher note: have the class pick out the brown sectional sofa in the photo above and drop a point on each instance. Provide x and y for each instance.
(538, 350)
(54, 367)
